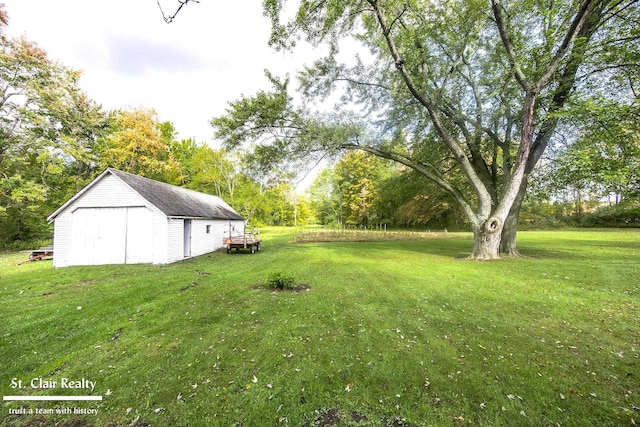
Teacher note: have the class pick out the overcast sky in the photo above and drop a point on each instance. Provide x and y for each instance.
(187, 71)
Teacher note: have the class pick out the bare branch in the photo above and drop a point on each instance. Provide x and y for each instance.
(169, 19)
(397, 18)
(361, 83)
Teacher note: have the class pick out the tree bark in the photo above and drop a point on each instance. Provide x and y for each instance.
(486, 237)
(508, 244)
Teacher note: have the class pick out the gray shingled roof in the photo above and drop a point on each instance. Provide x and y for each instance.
(177, 201)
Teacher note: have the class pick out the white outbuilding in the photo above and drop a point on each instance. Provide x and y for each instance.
(121, 218)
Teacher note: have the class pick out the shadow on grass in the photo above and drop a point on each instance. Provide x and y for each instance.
(581, 249)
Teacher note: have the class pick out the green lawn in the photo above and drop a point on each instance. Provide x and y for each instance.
(388, 333)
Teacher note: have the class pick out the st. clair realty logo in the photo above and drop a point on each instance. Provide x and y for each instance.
(62, 383)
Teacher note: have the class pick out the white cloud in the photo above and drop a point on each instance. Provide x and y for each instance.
(188, 70)
(142, 58)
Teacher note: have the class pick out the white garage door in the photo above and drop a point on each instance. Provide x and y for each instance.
(111, 236)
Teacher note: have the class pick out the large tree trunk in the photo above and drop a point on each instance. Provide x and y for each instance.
(486, 245)
(508, 246)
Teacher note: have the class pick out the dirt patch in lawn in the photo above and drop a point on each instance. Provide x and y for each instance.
(85, 283)
(295, 289)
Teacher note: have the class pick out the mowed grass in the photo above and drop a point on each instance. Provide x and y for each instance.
(389, 333)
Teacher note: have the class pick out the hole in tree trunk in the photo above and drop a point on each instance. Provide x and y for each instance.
(492, 225)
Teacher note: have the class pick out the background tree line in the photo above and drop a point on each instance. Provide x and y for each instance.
(54, 140)
(362, 190)
(592, 183)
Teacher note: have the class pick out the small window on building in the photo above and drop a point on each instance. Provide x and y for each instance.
(208, 229)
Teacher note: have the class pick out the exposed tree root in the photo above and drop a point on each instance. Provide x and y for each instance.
(514, 253)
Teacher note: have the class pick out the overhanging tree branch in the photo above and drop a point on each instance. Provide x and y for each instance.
(361, 83)
(435, 178)
(169, 19)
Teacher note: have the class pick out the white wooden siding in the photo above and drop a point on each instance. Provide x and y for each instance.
(99, 219)
(140, 241)
(160, 237)
(109, 192)
(62, 240)
(111, 236)
(175, 240)
(201, 241)
(110, 223)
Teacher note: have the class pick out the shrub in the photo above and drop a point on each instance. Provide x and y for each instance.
(20, 245)
(624, 214)
(280, 280)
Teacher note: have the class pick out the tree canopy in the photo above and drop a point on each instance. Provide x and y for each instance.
(604, 161)
(48, 130)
